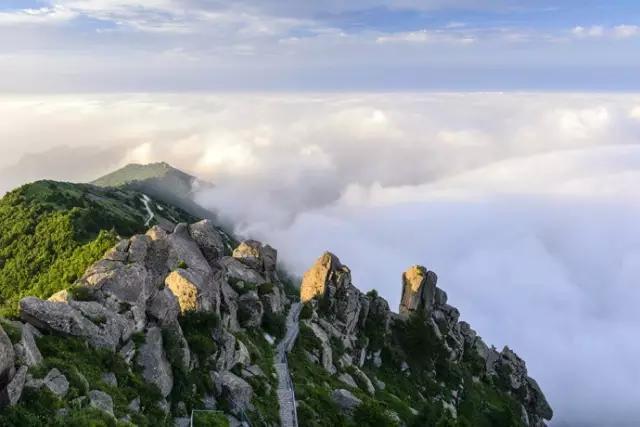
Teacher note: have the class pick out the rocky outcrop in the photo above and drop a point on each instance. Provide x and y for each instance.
(101, 401)
(153, 361)
(262, 258)
(56, 382)
(7, 357)
(250, 310)
(361, 324)
(237, 270)
(418, 290)
(345, 400)
(236, 391)
(13, 391)
(205, 234)
(30, 354)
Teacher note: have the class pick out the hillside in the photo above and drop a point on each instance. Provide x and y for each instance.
(50, 232)
(124, 310)
(161, 181)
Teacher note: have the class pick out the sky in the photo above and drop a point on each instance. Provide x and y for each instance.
(496, 142)
(274, 45)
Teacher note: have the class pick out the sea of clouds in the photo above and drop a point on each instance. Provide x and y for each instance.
(526, 205)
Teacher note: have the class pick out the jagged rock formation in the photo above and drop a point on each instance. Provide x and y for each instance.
(131, 303)
(178, 317)
(356, 338)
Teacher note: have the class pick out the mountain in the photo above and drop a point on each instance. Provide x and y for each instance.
(130, 311)
(161, 181)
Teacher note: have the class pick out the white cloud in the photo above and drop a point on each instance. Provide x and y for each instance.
(42, 16)
(525, 204)
(622, 31)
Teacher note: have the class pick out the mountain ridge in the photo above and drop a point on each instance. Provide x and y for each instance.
(180, 317)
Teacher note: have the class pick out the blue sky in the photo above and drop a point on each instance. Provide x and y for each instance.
(363, 45)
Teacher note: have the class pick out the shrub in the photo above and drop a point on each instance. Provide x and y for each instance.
(265, 288)
(274, 324)
(373, 414)
(307, 311)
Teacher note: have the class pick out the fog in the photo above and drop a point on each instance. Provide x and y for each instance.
(524, 204)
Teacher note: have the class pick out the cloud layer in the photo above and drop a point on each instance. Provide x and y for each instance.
(525, 204)
(184, 45)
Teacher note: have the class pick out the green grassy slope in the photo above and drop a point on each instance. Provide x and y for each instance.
(50, 232)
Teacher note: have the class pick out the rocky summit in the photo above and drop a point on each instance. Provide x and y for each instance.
(180, 324)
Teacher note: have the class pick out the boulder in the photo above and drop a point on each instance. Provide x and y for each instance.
(65, 319)
(60, 296)
(250, 310)
(155, 366)
(7, 358)
(211, 243)
(229, 307)
(345, 400)
(363, 380)
(12, 393)
(327, 354)
(164, 307)
(30, 353)
(231, 351)
(101, 400)
(273, 301)
(348, 380)
(56, 382)
(138, 248)
(110, 378)
(122, 283)
(184, 250)
(418, 290)
(114, 328)
(234, 389)
(237, 270)
(249, 252)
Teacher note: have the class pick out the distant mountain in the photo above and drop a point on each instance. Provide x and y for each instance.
(161, 181)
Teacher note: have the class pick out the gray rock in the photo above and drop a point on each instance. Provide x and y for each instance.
(250, 310)
(208, 239)
(134, 405)
(122, 283)
(56, 382)
(183, 249)
(348, 380)
(164, 307)
(101, 400)
(274, 301)
(110, 378)
(7, 358)
(229, 307)
(327, 353)
(182, 422)
(249, 252)
(345, 400)
(363, 380)
(13, 391)
(239, 271)
(114, 328)
(128, 351)
(61, 317)
(233, 388)
(138, 248)
(231, 351)
(30, 353)
(155, 366)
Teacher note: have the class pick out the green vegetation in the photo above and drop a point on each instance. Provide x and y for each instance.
(274, 324)
(83, 366)
(210, 419)
(50, 232)
(265, 399)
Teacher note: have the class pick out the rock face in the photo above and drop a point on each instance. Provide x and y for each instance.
(7, 357)
(345, 400)
(205, 234)
(259, 257)
(250, 310)
(418, 290)
(56, 382)
(155, 366)
(14, 389)
(101, 400)
(234, 389)
(362, 324)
